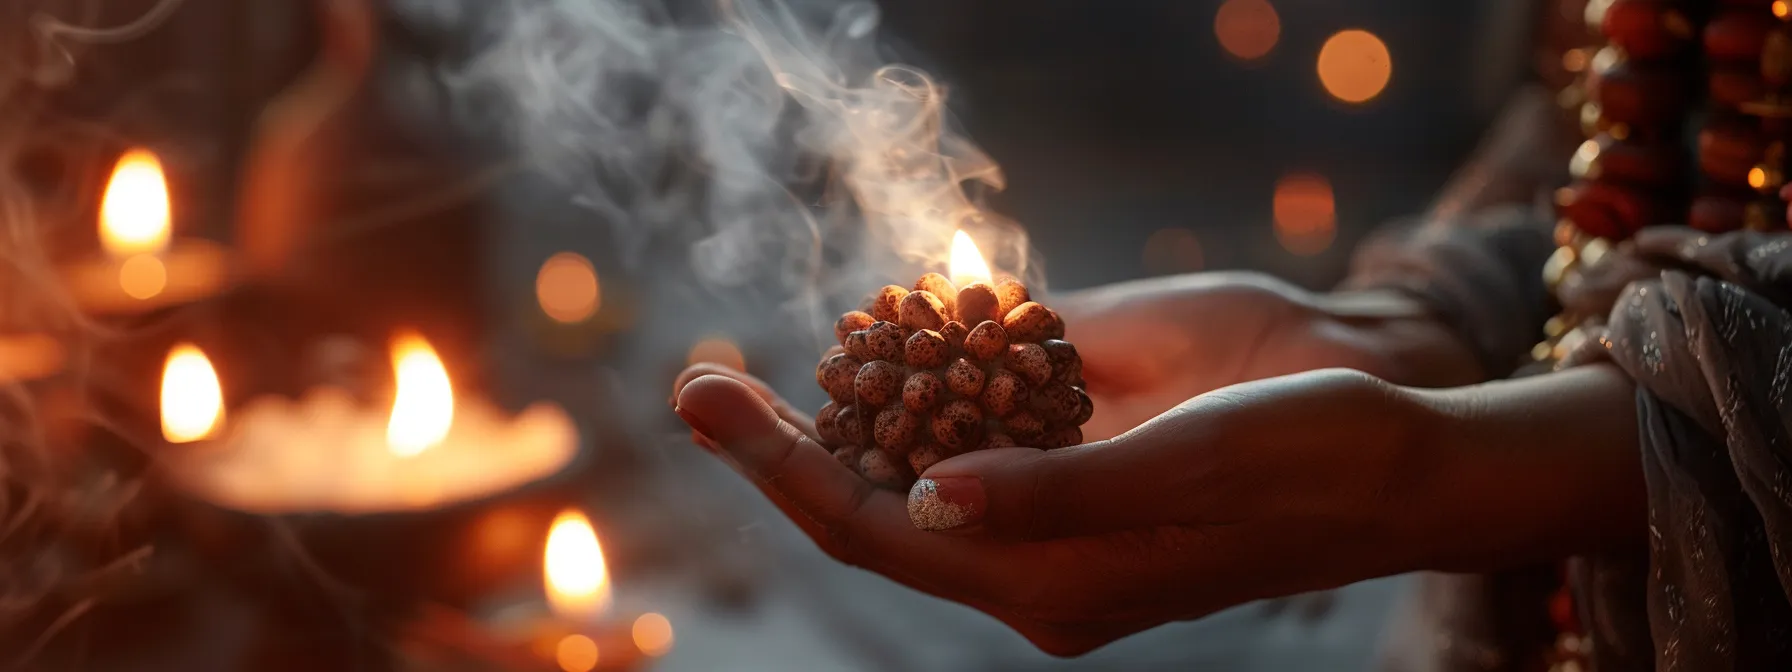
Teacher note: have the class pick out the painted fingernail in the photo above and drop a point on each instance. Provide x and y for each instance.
(691, 419)
(946, 503)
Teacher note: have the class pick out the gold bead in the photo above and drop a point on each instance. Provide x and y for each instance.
(1585, 164)
(1555, 326)
(1542, 352)
(1557, 266)
(1594, 15)
(1567, 234)
(1593, 251)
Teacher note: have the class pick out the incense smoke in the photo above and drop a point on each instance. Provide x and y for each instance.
(770, 135)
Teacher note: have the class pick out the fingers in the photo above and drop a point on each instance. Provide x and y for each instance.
(783, 408)
(846, 515)
(1135, 481)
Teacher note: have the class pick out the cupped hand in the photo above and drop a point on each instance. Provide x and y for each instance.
(1257, 490)
(1078, 547)
(1151, 344)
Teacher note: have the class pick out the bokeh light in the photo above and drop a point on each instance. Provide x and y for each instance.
(653, 634)
(143, 276)
(1174, 250)
(1781, 8)
(1305, 213)
(1354, 66)
(576, 653)
(717, 350)
(1247, 29)
(567, 289)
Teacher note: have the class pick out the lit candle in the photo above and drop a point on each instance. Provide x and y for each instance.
(326, 453)
(143, 266)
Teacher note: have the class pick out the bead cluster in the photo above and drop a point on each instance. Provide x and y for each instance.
(1639, 92)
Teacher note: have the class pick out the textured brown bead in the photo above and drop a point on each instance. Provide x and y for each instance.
(922, 392)
(1009, 294)
(998, 440)
(851, 322)
(895, 429)
(955, 333)
(1646, 29)
(926, 456)
(884, 341)
(922, 310)
(964, 378)
(1004, 393)
(858, 346)
(1737, 35)
(1030, 361)
(1057, 403)
(827, 424)
(926, 349)
(941, 288)
(957, 424)
(851, 425)
(1734, 87)
(1067, 366)
(986, 342)
(836, 375)
(885, 469)
(1030, 322)
(1024, 426)
(884, 304)
(849, 456)
(1644, 98)
(1085, 408)
(1062, 438)
(1607, 210)
(878, 383)
(977, 303)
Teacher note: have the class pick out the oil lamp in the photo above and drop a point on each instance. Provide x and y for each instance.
(143, 266)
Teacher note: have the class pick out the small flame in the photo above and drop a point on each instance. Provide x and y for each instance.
(578, 584)
(968, 265)
(134, 213)
(192, 400)
(423, 409)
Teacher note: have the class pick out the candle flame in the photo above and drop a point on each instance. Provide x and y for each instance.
(134, 213)
(423, 409)
(968, 265)
(578, 584)
(192, 400)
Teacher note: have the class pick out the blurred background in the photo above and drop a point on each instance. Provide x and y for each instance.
(1139, 138)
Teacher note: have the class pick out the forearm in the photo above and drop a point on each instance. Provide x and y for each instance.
(1527, 470)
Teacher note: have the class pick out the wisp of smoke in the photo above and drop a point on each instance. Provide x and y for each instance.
(769, 135)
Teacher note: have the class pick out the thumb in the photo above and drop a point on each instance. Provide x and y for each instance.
(1029, 494)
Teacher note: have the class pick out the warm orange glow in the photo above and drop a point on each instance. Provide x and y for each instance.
(567, 289)
(423, 408)
(1305, 213)
(30, 356)
(578, 584)
(1175, 250)
(1781, 9)
(653, 634)
(576, 653)
(717, 350)
(192, 401)
(1757, 177)
(1355, 66)
(967, 265)
(134, 212)
(1247, 29)
(143, 276)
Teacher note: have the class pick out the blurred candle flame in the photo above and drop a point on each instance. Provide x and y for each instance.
(134, 212)
(577, 582)
(423, 409)
(192, 400)
(968, 265)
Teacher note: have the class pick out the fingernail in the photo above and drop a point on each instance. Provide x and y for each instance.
(946, 503)
(691, 419)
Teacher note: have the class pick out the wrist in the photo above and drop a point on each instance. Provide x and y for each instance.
(1527, 470)
(1414, 345)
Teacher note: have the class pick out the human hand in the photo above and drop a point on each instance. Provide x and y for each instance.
(1258, 490)
(1151, 344)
